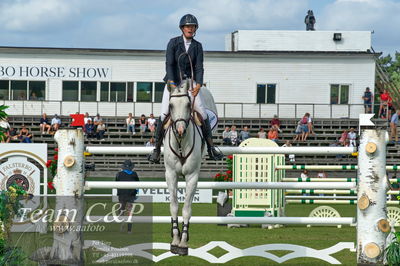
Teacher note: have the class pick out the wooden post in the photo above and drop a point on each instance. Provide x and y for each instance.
(372, 223)
(69, 184)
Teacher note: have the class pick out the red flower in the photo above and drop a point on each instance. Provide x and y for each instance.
(50, 185)
(230, 157)
(48, 163)
(55, 156)
(56, 149)
(230, 179)
(229, 172)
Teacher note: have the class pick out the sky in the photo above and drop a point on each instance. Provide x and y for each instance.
(144, 24)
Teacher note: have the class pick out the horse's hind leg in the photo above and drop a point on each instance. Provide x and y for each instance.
(191, 185)
(172, 182)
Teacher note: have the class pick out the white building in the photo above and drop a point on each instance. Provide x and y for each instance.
(260, 74)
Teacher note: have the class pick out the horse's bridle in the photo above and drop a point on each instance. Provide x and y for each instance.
(179, 153)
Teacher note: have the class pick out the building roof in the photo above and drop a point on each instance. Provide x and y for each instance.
(144, 52)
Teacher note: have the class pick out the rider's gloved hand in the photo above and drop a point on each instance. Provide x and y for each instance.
(196, 90)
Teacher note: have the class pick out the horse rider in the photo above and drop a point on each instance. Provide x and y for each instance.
(185, 55)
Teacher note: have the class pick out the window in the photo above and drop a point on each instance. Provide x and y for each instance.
(117, 92)
(158, 91)
(266, 93)
(130, 92)
(104, 91)
(339, 94)
(19, 89)
(37, 90)
(143, 92)
(88, 91)
(70, 90)
(4, 85)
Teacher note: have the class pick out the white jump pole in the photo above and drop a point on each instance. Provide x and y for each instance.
(228, 220)
(329, 179)
(232, 150)
(328, 167)
(338, 192)
(223, 185)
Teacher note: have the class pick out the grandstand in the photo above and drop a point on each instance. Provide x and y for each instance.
(327, 132)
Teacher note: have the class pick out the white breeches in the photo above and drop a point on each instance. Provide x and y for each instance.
(198, 104)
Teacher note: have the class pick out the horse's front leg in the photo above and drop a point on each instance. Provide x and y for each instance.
(172, 182)
(191, 185)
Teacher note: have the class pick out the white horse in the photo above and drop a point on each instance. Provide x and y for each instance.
(183, 148)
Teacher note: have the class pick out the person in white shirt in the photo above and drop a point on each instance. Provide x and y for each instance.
(352, 137)
(87, 118)
(292, 157)
(151, 123)
(55, 123)
(304, 174)
(130, 124)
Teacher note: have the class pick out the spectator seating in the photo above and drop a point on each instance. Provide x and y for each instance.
(327, 132)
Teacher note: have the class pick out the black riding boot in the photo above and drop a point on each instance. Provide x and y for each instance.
(155, 156)
(212, 152)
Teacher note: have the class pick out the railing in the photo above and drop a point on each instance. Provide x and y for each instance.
(225, 110)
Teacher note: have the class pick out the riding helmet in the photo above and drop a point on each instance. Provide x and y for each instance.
(188, 19)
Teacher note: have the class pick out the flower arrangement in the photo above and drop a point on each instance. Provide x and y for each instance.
(227, 175)
(10, 206)
(52, 166)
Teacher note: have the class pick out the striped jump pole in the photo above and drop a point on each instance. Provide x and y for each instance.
(328, 167)
(329, 179)
(338, 192)
(341, 202)
(231, 150)
(222, 185)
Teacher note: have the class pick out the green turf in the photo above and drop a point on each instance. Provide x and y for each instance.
(201, 234)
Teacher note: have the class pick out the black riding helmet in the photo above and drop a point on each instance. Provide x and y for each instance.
(188, 19)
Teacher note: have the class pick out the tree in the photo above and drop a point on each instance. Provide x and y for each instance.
(391, 69)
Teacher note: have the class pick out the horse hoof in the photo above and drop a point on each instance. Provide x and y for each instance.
(174, 249)
(182, 251)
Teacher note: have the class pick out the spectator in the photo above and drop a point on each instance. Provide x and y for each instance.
(143, 124)
(390, 108)
(151, 123)
(33, 96)
(55, 123)
(352, 136)
(292, 157)
(367, 97)
(304, 127)
(7, 137)
(244, 134)
(89, 129)
(44, 124)
(87, 118)
(384, 100)
(322, 174)
(262, 134)
(130, 124)
(276, 123)
(233, 134)
(126, 196)
(151, 142)
(394, 122)
(96, 121)
(304, 174)
(337, 144)
(343, 137)
(273, 134)
(24, 136)
(310, 125)
(13, 134)
(298, 132)
(101, 129)
(226, 137)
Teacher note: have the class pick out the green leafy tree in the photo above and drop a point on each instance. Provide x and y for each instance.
(3, 116)
(391, 65)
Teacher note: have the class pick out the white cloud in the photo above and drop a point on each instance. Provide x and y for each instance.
(32, 15)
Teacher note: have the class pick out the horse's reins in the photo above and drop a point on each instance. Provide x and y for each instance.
(192, 73)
